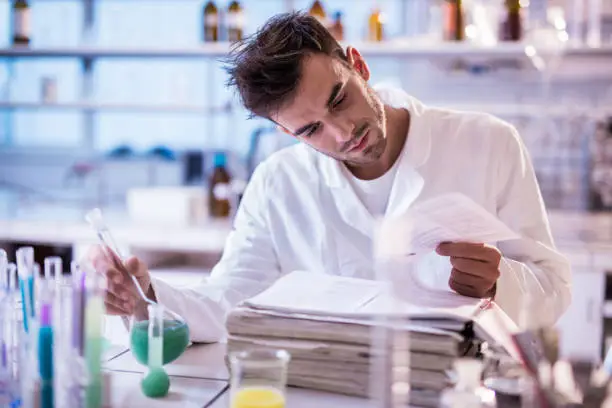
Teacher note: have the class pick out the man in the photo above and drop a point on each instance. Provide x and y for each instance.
(364, 153)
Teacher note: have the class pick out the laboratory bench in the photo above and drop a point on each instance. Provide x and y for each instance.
(199, 378)
(184, 254)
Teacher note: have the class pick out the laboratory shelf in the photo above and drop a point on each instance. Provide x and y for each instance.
(116, 107)
(398, 48)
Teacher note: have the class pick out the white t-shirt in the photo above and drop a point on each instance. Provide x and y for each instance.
(374, 194)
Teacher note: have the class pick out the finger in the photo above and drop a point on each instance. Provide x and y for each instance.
(120, 304)
(471, 280)
(475, 268)
(135, 267)
(119, 288)
(473, 285)
(114, 310)
(462, 288)
(476, 251)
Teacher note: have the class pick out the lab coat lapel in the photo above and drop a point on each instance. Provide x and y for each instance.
(349, 208)
(408, 183)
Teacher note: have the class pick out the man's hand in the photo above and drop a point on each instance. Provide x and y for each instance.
(122, 297)
(475, 268)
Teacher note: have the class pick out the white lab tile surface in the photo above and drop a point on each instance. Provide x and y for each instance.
(198, 361)
(184, 392)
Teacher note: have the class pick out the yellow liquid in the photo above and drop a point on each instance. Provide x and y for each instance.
(258, 397)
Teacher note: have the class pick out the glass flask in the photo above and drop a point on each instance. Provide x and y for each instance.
(175, 334)
(258, 378)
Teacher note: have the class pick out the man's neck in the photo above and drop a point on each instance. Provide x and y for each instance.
(396, 128)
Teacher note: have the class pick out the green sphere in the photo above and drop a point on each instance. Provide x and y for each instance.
(156, 383)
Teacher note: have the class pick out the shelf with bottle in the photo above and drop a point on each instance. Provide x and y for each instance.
(116, 107)
(222, 27)
(392, 48)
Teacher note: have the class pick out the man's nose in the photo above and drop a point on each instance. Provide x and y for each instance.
(343, 130)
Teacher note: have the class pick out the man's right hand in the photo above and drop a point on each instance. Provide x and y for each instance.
(122, 298)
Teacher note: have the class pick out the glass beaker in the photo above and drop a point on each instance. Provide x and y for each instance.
(258, 378)
(175, 335)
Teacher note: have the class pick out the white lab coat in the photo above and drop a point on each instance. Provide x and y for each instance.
(299, 212)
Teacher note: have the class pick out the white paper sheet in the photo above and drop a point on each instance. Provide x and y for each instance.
(445, 218)
(340, 296)
(302, 291)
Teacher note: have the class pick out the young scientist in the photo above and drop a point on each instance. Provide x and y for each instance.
(365, 152)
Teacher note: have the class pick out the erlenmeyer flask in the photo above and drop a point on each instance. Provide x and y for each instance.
(175, 336)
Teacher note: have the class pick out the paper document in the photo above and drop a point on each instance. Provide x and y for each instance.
(340, 296)
(302, 291)
(445, 218)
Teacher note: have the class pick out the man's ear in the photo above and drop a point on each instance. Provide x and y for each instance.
(355, 60)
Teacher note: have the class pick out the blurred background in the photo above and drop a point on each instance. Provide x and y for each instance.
(122, 104)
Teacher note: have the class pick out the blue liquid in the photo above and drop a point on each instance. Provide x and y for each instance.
(45, 365)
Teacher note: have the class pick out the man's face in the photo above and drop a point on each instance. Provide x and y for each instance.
(335, 111)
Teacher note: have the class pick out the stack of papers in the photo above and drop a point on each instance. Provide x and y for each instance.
(327, 324)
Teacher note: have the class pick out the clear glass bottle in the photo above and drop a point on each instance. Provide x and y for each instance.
(258, 378)
(468, 392)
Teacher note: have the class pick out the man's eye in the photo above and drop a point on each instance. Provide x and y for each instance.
(339, 101)
(312, 130)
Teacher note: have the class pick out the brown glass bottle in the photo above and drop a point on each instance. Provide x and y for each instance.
(454, 23)
(375, 26)
(211, 22)
(318, 12)
(337, 28)
(21, 22)
(512, 26)
(235, 22)
(219, 189)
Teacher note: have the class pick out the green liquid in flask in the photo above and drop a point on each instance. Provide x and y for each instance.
(176, 339)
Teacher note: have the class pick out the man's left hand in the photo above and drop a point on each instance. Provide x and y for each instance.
(475, 268)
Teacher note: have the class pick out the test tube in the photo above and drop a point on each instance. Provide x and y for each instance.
(63, 355)
(94, 338)
(156, 336)
(3, 270)
(25, 268)
(53, 270)
(45, 345)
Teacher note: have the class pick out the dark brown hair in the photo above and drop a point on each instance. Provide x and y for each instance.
(265, 68)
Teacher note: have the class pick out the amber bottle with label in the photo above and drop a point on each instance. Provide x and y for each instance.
(454, 22)
(318, 12)
(21, 22)
(235, 22)
(375, 26)
(211, 22)
(512, 26)
(219, 188)
(337, 28)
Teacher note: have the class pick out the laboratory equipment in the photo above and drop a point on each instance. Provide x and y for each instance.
(45, 346)
(468, 392)
(176, 330)
(258, 378)
(155, 382)
(94, 339)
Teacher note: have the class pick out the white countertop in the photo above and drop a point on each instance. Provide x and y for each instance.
(62, 223)
(206, 363)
